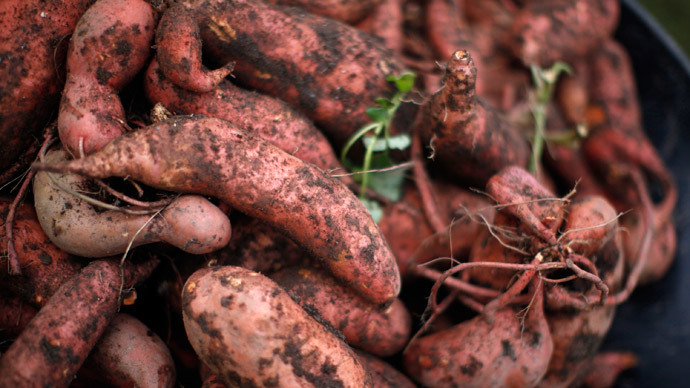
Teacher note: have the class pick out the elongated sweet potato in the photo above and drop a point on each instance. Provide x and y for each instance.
(497, 351)
(210, 156)
(264, 116)
(329, 71)
(189, 222)
(385, 22)
(178, 52)
(383, 375)
(379, 331)
(32, 49)
(129, 354)
(606, 367)
(106, 51)
(56, 342)
(251, 333)
(470, 139)
(345, 11)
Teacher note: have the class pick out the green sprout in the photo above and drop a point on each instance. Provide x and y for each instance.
(377, 141)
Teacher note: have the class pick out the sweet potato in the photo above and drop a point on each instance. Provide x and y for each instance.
(345, 11)
(264, 116)
(498, 351)
(178, 51)
(209, 156)
(32, 50)
(539, 36)
(189, 222)
(379, 331)
(329, 71)
(470, 139)
(106, 51)
(383, 375)
(606, 367)
(56, 342)
(251, 333)
(590, 224)
(129, 354)
(385, 22)
(661, 252)
(15, 314)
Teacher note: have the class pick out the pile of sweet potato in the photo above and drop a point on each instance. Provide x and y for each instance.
(177, 208)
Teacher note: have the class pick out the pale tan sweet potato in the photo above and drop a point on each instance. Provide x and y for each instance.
(251, 333)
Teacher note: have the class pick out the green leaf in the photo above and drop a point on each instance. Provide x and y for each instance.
(388, 183)
(378, 114)
(403, 82)
(395, 142)
(353, 139)
(374, 208)
(384, 102)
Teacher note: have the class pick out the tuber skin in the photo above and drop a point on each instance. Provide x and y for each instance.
(33, 42)
(329, 71)
(109, 46)
(178, 51)
(189, 222)
(470, 139)
(129, 354)
(606, 367)
(382, 373)
(496, 351)
(209, 156)
(56, 342)
(349, 12)
(385, 23)
(15, 314)
(379, 331)
(247, 330)
(264, 116)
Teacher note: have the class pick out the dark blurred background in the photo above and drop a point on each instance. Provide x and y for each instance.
(674, 15)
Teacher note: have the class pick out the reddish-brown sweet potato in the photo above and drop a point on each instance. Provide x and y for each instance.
(385, 22)
(379, 331)
(350, 11)
(189, 222)
(110, 45)
(178, 51)
(15, 314)
(129, 354)
(56, 342)
(251, 333)
(495, 351)
(605, 368)
(384, 375)
(470, 139)
(329, 71)
(32, 48)
(269, 118)
(210, 156)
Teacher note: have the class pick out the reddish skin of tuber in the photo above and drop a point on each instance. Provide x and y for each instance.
(264, 116)
(33, 42)
(606, 367)
(109, 46)
(350, 12)
(15, 314)
(329, 71)
(590, 224)
(661, 252)
(484, 352)
(178, 44)
(539, 34)
(379, 331)
(385, 22)
(129, 354)
(189, 222)
(246, 329)
(212, 157)
(383, 374)
(470, 139)
(56, 342)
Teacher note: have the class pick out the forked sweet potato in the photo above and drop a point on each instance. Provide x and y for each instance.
(379, 331)
(56, 342)
(251, 333)
(189, 222)
(210, 156)
(106, 51)
(496, 351)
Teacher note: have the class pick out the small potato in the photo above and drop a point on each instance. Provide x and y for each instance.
(251, 333)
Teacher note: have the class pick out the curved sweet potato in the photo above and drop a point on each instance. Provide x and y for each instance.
(178, 50)
(383, 374)
(210, 156)
(56, 342)
(31, 52)
(189, 222)
(329, 71)
(106, 51)
(606, 367)
(129, 354)
(379, 331)
(251, 333)
(269, 118)
(496, 351)
(470, 139)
